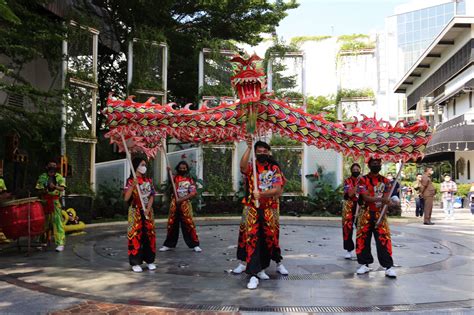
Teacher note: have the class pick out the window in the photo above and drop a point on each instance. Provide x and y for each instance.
(470, 99)
(454, 107)
(468, 169)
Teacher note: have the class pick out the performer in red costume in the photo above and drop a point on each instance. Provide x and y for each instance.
(351, 198)
(141, 223)
(260, 229)
(375, 191)
(181, 211)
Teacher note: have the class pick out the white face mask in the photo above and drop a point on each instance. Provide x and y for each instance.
(142, 169)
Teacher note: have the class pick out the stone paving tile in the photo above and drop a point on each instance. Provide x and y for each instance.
(99, 308)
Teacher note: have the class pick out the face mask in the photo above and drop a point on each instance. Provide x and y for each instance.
(447, 179)
(375, 169)
(51, 169)
(355, 174)
(262, 158)
(181, 172)
(142, 169)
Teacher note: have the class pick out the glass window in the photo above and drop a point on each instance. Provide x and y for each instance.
(461, 8)
(416, 15)
(432, 22)
(424, 13)
(416, 36)
(440, 20)
(440, 9)
(431, 11)
(449, 9)
(424, 23)
(401, 18)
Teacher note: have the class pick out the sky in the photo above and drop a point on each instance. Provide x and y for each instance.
(337, 17)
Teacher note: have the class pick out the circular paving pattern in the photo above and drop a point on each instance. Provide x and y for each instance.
(95, 266)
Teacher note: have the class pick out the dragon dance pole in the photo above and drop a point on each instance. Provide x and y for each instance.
(127, 154)
(382, 214)
(254, 167)
(357, 185)
(168, 167)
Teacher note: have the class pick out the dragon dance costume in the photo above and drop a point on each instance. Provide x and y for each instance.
(52, 207)
(348, 212)
(141, 229)
(260, 228)
(182, 214)
(373, 185)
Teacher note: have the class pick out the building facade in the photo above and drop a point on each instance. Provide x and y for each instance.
(439, 87)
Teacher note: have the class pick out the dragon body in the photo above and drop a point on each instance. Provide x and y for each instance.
(146, 124)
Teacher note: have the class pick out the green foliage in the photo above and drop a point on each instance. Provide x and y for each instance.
(281, 84)
(23, 39)
(188, 26)
(463, 190)
(354, 93)
(7, 14)
(215, 161)
(216, 90)
(351, 37)
(354, 43)
(278, 140)
(298, 40)
(324, 197)
(356, 46)
(109, 200)
(290, 164)
(322, 105)
(147, 62)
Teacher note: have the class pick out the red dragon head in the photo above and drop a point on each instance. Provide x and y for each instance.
(248, 79)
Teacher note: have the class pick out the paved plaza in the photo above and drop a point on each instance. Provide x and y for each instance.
(434, 265)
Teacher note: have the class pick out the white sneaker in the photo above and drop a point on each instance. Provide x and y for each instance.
(262, 275)
(390, 272)
(282, 270)
(348, 255)
(60, 248)
(137, 268)
(164, 249)
(151, 266)
(363, 269)
(197, 249)
(253, 283)
(239, 269)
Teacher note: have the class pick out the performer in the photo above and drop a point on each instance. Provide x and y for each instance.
(3, 196)
(181, 211)
(51, 184)
(375, 191)
(259, 233)
(141, 224)
(351, 198)
(241, 248)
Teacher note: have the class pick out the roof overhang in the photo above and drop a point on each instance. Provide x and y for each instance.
(435, 50)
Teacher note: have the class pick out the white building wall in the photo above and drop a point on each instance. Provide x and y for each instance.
(358, 71)
(321, 76)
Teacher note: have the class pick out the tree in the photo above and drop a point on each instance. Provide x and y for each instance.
(188, 25)
(26, 35)
(322, 105)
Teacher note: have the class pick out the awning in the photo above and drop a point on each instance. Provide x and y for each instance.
(460, 138)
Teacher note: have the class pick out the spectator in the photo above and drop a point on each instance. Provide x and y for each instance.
(448, 188)
(418, 196)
